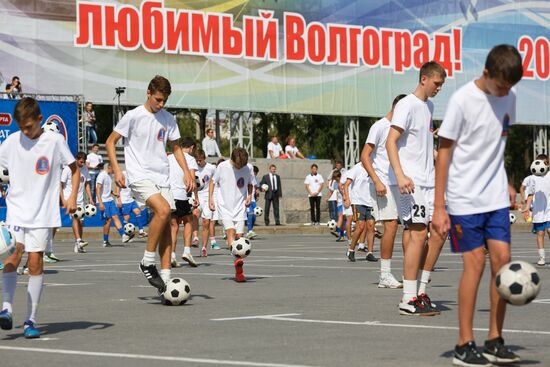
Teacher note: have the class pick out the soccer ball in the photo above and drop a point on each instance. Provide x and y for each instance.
(539, 168)
(4, 176)
(512, 218)
(79, 213)
(258, 211)
(7, 241)
(331, 224)
(264, 187)
(518, 283)
(199, 182)
(90, 210)
(353, 226)
(129, 229)
(51, 126)
(191, 200)
(241, 248)
(177, 292)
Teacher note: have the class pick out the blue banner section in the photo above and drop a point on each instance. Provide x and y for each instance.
(63, 114)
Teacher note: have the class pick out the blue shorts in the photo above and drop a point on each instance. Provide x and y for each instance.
(128, 207)
(250, 209)
(340, 209)
(469, 232)
(540, 227)
(110, 210)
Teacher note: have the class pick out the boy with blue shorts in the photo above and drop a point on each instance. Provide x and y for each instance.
(128, 205)
(250, 216)
(470, 175)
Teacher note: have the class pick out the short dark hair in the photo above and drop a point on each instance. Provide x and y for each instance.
(504, 62)
(160, 84)
(255, 169)
(209, 130)
(220, 161)
(187, 142)
(87, 103)
(81, 155)
(397, 99)
(314, 165)
(272, 165)
(542, 156)
(200, 154)
(26, 108)
(239, 156)
(95, 145)
(430, 68)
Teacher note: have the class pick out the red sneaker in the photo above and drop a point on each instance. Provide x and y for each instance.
(239, 274)
(203, 252)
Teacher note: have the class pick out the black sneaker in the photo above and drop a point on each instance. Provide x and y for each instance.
(468, 355)
(152, 275)
(370, 257)
(415, 307)
(428, 302)
(495, 351)
(351, 256)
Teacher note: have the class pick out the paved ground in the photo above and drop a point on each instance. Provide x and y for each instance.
(304, 305)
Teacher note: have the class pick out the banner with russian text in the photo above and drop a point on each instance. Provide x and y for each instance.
(341, 57)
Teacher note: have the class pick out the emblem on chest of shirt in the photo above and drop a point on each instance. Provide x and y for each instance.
(161, 134)
(42, 166)
(505, 124)
(240, 183)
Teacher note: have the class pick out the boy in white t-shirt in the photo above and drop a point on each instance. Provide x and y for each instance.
(128, 205)
(205, 173)
(92, 160)
(235, 183)
(274, 148)
(34, 159)
(250, 216)
(184, 205)
(538, 197)
(146, 130)
(292, 151)
(383, 191)
(410, 150)
(314, 187)
(66, 187)
(471, 185)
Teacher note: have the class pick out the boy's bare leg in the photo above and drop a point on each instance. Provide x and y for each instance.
(474, 264)
(500, 255)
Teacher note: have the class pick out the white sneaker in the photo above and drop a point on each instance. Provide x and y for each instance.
(388, 281)
(78, 249)
(188, 258)
(83, 243)
(541, 261)
(175, 263)
(126, 238)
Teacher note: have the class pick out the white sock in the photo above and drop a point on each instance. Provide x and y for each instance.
(34, 291)
(173, 256)
(165, 275)
(195, 239)
(424, 279)
(148, 258)
(187, 250)
(409, 290)
(385, 266)
(361, 246)
(541, 253)
(49, 246)
(9, 282)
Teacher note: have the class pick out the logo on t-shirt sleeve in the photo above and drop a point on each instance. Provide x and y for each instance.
(161, 134)
(240, 183)
(205, 178)
(42, 166)
(505, 124)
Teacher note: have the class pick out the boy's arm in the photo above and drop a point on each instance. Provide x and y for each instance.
(188, 178)
(75, 181)
(89, 192)
(111, 153)
(99, 192)
(522, 194)
(308, 190)
(440, 221)
(211, 195)
(61, 196)
(347, 201)
(250, 188)
(367, 163)
(406, 185)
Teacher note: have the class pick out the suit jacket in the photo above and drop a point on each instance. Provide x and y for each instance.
(269, 194)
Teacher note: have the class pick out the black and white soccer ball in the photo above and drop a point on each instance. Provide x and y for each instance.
(79, 213)
(51, 126)
(518, 283)
(331, 224)
(129, 229)
(90, 210)
(199, 182)
(177, 292)
(538, 167)
(4, 176)
(241, 248)
(7, 241)
(513, 218)
(258, 211)
(264, 187)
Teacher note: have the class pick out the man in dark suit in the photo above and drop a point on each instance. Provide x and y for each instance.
(272, 194)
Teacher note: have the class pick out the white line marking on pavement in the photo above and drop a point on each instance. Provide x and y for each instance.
(542, 301)
(370, 323)
(147, 357)
(60, 284)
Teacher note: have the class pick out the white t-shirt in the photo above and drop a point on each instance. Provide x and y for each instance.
(275, 148)
(232, 192)
(205, 173)
(293, 150)
(126, 193)
(177, 186)
(94, 159)
(35, 170)
(104, 179)
(333, 186)
(66, 178)
(527, 182)
(253, 181)
(315, 183)
(145, 140)
(378, 134)
(416, 145)
(539, 187)
(210, 147)
(478, 123)
(359, 190)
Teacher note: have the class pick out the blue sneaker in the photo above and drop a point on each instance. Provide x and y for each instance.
(6, 321)
(214, 245)
(30, 331)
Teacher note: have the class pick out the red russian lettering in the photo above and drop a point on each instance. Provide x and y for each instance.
(121, 27)
(442, 52)
(338, 45)
(232, 43)
(295, 48)
(267, 36)
(421, 44)
(371, 46)
(542, 59)
(205, 34)
(177, 31)
(316, 43)
(525, 45)
(85, 27)
(354, 45)
(402, 50)
(152, 25)
(385, 36)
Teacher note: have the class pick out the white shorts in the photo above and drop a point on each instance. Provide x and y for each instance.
(237, 225)
(385, 207)
(206, 213)
(143, 190)
(348, 211)
(418, 207)
(34, 239)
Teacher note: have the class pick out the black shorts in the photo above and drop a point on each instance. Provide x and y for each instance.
(183, 209)
(362, 213)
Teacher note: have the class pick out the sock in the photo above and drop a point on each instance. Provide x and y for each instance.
(105, 237)
(79, 240)
(9, 282)
(187, 250)
(196, 239)
(409, 290)
(361, 246)
(424, 279)
(173, 256)
(385, 266)
(139, 223)
(34, 291)
(148, 258)
(49, 247)
(121, 231)
(212, 239)
(165, 275)
(541, 253)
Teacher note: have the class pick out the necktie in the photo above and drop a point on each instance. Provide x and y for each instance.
(273, 185)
